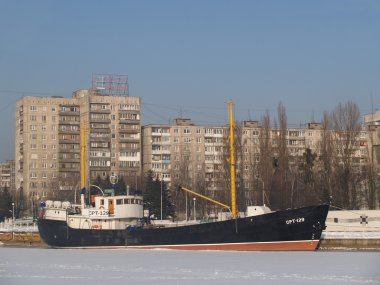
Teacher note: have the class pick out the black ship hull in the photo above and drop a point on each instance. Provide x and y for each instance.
(295, 229)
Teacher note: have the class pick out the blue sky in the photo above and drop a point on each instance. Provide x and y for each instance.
(189, 57)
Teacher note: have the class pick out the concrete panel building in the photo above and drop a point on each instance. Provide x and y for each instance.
(7, 175)
(48, 141)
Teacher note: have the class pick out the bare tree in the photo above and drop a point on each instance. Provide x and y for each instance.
(280, 189)
(345, 122)
(265, 165)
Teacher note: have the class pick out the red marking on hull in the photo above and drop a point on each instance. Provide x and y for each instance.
(267, 246)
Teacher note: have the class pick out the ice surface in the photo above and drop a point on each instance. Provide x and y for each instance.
(32, 266)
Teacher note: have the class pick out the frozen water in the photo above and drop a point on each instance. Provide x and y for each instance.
(32, 266)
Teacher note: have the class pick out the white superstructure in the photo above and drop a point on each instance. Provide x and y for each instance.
(106, 213)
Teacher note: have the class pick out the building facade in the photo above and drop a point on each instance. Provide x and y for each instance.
(183, 151)
(372, 123)
(48, 141)
(197, 156)
(7, 175)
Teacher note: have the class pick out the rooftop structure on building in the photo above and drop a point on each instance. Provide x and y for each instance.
(110, 84)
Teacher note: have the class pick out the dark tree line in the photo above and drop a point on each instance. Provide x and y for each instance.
(5, 204)
(156, 197)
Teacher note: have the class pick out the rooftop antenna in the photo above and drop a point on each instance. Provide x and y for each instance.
(249, 114)
(372, 106)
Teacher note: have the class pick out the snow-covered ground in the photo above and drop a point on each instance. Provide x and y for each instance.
(32, 266)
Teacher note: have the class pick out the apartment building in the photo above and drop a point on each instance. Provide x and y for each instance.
(48, 141)
(183, 151)
(7, 175)
(372, 124)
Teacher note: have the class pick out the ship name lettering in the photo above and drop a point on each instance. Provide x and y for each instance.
(98, 212)
(295, 221)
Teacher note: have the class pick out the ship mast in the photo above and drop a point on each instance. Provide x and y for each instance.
(83, 158)
(232, 160)
(83, 166)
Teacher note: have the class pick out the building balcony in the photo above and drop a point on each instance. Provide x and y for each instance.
(100, 168)
(69, 123)
(69, 113)
(65, 149)
(68, 141)
(129, 148)
(68, 132)
(129, 131)
(70, 160)
(100, 111)
(64, 169)
(100, 139)
(100, 120)
(129, 140)
(129, 121)
(100, 130)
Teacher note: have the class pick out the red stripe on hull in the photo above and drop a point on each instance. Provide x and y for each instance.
(268, 246)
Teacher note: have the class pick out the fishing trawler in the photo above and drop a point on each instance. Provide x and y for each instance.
(118, 221)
